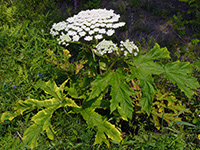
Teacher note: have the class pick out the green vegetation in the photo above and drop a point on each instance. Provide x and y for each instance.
(58, 97)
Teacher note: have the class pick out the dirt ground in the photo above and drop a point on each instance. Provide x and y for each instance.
(152, 18)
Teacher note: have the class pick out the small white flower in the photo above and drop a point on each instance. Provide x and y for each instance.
(71, 33)
(125, 53)
(76, 38)
(71, 19)
(64, 39)
(91, 32)
(99, 36)
(116, 17)
(99, 53)
(59, 26)
(92, 26)
(102, 31)
(83, 33)
(129, 47)
(109, 25)
(106, 47)
(70, 26)
(97, 25)
(75, 28)
(87, 29)
(88, 38)
(79, 29)
(102, 25)
(106, 21)
(96, 29)
(54, 33)
(110, 32)
(83, 27)
(87, 24)
(117, 25)
(135, 54)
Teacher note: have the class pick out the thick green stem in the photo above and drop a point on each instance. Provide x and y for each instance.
(113, 63)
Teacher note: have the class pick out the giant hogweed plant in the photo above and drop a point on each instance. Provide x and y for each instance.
(124, 79)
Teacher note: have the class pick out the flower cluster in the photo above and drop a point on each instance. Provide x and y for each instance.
(129, 47)
(89, 25)
(108, 47)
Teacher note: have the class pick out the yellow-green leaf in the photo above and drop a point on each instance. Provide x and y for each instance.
(100, 137)
(51, 88)
(96, 121)
(8, 116)
(31, 135)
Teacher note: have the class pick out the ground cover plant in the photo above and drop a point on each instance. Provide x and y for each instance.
(83, 89)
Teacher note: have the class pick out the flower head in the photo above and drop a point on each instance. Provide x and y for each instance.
(106, 47)
(129, 47)
(88, 25)
(64, 39)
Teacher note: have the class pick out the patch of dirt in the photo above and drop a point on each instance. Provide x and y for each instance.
(150, 19)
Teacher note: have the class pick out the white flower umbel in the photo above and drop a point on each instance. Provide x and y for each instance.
(128, 47)
(88, 25)
(110, 32)
(64, 39)
(106, 47)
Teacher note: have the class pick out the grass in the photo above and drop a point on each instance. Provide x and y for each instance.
(24, 40)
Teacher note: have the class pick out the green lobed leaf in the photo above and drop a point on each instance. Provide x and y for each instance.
(146, 82)
(42, 118)
(41, 123)
(155, 53)
(99, 84)
(8, 116)
(31, 104)
(120, 91)
(196, 64)
(100, 137)
(148, 91)
(51, 88)
(94, 120)
(31, 135)
(142, 68)
(178, 72)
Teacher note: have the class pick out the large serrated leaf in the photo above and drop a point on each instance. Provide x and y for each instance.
(31, 104)
(120, 91)
(31, 135)
(100, 137)
(146, 82)
(94, 120)
(27, 106)
(142, 68)
(42, 118)
(51, 88)
(8, 116)
(42, 123)
(155, 53)
(148, 91)
(178, 72)
(196, 64)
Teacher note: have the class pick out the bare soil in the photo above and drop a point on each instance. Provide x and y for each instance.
(150, 19)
